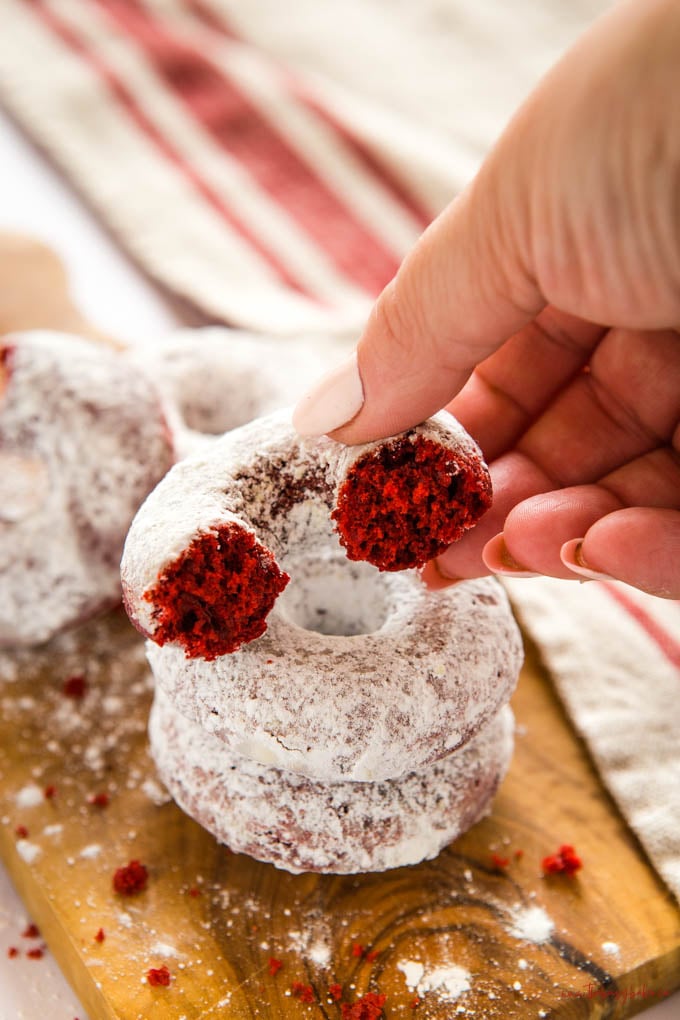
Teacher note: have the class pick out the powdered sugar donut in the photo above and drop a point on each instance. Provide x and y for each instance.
(204, 559)
(341, 828)
(221, 378)
(402, 676)
(83, 439)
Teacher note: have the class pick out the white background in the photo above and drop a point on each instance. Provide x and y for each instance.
(118, 299)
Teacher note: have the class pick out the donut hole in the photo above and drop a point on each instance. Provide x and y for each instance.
(330, 595)
(404, 503)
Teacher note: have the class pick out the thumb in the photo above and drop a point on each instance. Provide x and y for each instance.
(577, 194)
(457, 296)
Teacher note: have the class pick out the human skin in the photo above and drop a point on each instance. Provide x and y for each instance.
(542, 308)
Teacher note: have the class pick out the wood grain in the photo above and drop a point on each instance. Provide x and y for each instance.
(35, 292)
(215, 918)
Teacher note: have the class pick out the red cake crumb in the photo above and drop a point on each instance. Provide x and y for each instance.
(13, 952)
(158, 977)
(335, 992)
(130, 879)
(368, 1007)
(216, 595)
(50, 792)
(100, 935)
(404, 503)
(21, 832)
(274, 966)
(565, 862)
(100, 800)
(5, 366)
(31, 931)
(194, 891)
(75, 687)
(303, 992)
(499, 863)
(363, 953)
(36, 954)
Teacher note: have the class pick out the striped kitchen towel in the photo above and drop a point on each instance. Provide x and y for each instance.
(271, 164)
(614, 656)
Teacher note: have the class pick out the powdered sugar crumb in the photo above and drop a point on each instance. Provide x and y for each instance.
(28, 852)
(320, 954)
(164, 949)
(29, 796)
(91, 851)
(448, 982)
(611, 947)
(156, 793)
(531, 924)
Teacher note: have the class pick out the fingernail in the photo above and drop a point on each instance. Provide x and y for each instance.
(499, 561)
(433, 578)
(334, 401)
(572, 556)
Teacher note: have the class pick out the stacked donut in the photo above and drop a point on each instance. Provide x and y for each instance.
(311, 710)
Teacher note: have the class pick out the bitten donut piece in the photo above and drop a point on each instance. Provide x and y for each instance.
(83, 439)
(340, 828)
(240, 506)
(360, 675)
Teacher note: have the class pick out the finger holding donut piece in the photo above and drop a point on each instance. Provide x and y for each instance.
(204, 561)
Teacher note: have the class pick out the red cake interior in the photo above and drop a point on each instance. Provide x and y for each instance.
(5, 361)
(404, 503)
(217, 594)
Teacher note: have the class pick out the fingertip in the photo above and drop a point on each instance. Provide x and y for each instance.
(571, 554)
(499, 560)
(434, 579)
(333, 402)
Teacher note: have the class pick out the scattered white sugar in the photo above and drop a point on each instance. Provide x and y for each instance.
(28, 852)
(531, 924)
(264, 945)
(412, 971)
(467, 874)
(53, 830)
(29, 796)
(611, 948)
(517, 985)
(91, 851)
(164, 949)
(156, 793)
(124, 919)
(112, 703)
(448, 982)
(320, 954)
(522, 963)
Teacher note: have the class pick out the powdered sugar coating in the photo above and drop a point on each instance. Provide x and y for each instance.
(266, 479)
(341, 828)
(221, 378)
(435, 667)
(83, 439)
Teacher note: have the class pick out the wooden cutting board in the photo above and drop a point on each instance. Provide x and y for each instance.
(605, 943)
(215, 919)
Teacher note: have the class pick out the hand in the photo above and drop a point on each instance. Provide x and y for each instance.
(542, 309)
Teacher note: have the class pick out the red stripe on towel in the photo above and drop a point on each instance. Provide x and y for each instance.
(666, 642)
(228, 116)
(295, 88)
(129, 105)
